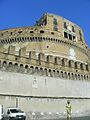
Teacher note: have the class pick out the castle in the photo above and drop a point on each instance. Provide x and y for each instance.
(43, 66)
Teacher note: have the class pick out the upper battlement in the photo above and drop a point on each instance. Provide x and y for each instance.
(68, 29)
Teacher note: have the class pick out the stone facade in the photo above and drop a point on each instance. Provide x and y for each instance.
(52, 52)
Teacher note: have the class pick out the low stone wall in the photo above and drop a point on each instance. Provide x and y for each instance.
(43, 94)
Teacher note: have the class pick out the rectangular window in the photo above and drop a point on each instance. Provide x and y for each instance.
(80, 34)
(55, 28)
(55, 21)
(73, 29)
(65, 35)
(74, 38)
(70, 36)
(65, 25)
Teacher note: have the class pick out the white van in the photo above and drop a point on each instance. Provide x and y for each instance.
(12, 113)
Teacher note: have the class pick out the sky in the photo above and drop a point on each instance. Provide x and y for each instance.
(18, 13)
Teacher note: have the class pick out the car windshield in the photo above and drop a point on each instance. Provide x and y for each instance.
(15, 110)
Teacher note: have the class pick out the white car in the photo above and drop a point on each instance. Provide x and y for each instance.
(14, 114)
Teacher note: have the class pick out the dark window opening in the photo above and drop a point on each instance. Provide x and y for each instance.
(11, 33)
(22, 38)
(76, 65)
(70, 36)
(65, 35)
(70, 64)
(31, 66)
(31, 31)
(55, 28)
(87, 68)
(56, 60)
(19, 32)
(49, 70)
(80, 34)
(41, 31)
(63, 62)
(81, 66)
(47, 58)
(21, 65)
(17, 38)
(55, 21)
(4, 62)
(16, 64)
(47, 46)
(10, 63)
(74, 37)
(65, 25)
(15, 58)
(52, 33)
(73, 29)
(26, 66)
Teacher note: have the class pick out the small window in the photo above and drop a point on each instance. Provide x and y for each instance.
(81, 66)
(74, 37)
(19, 32)
(11, 33)
(55, 28)
(70, 36)
(55, 21)
(21, 65)
(52, 33)
(65, 35)
(65, 25)
(80, 34)
(41, 31)
(47, 46)
(16, 59)
(31, 31)
(87, 67)
(73, 29)
(26, 66)
(76, 65)
(70, 65)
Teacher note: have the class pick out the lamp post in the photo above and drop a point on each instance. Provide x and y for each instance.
(68, 109)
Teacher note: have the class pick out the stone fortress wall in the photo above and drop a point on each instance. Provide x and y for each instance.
(45, 65)
(44, 54)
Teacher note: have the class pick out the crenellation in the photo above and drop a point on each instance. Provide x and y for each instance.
(22, 52)
(11, 50)
(22, 68)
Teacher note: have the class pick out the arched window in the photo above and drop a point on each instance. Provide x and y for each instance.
(46, 73)
(65, 75)
(72, 76)
(26, 66)
(76, 76)
(69, 75)
(4, 63)
(62, 74)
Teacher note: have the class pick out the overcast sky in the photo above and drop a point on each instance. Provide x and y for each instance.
(17, 13)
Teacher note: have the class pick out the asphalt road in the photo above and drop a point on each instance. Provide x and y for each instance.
(78, 118)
